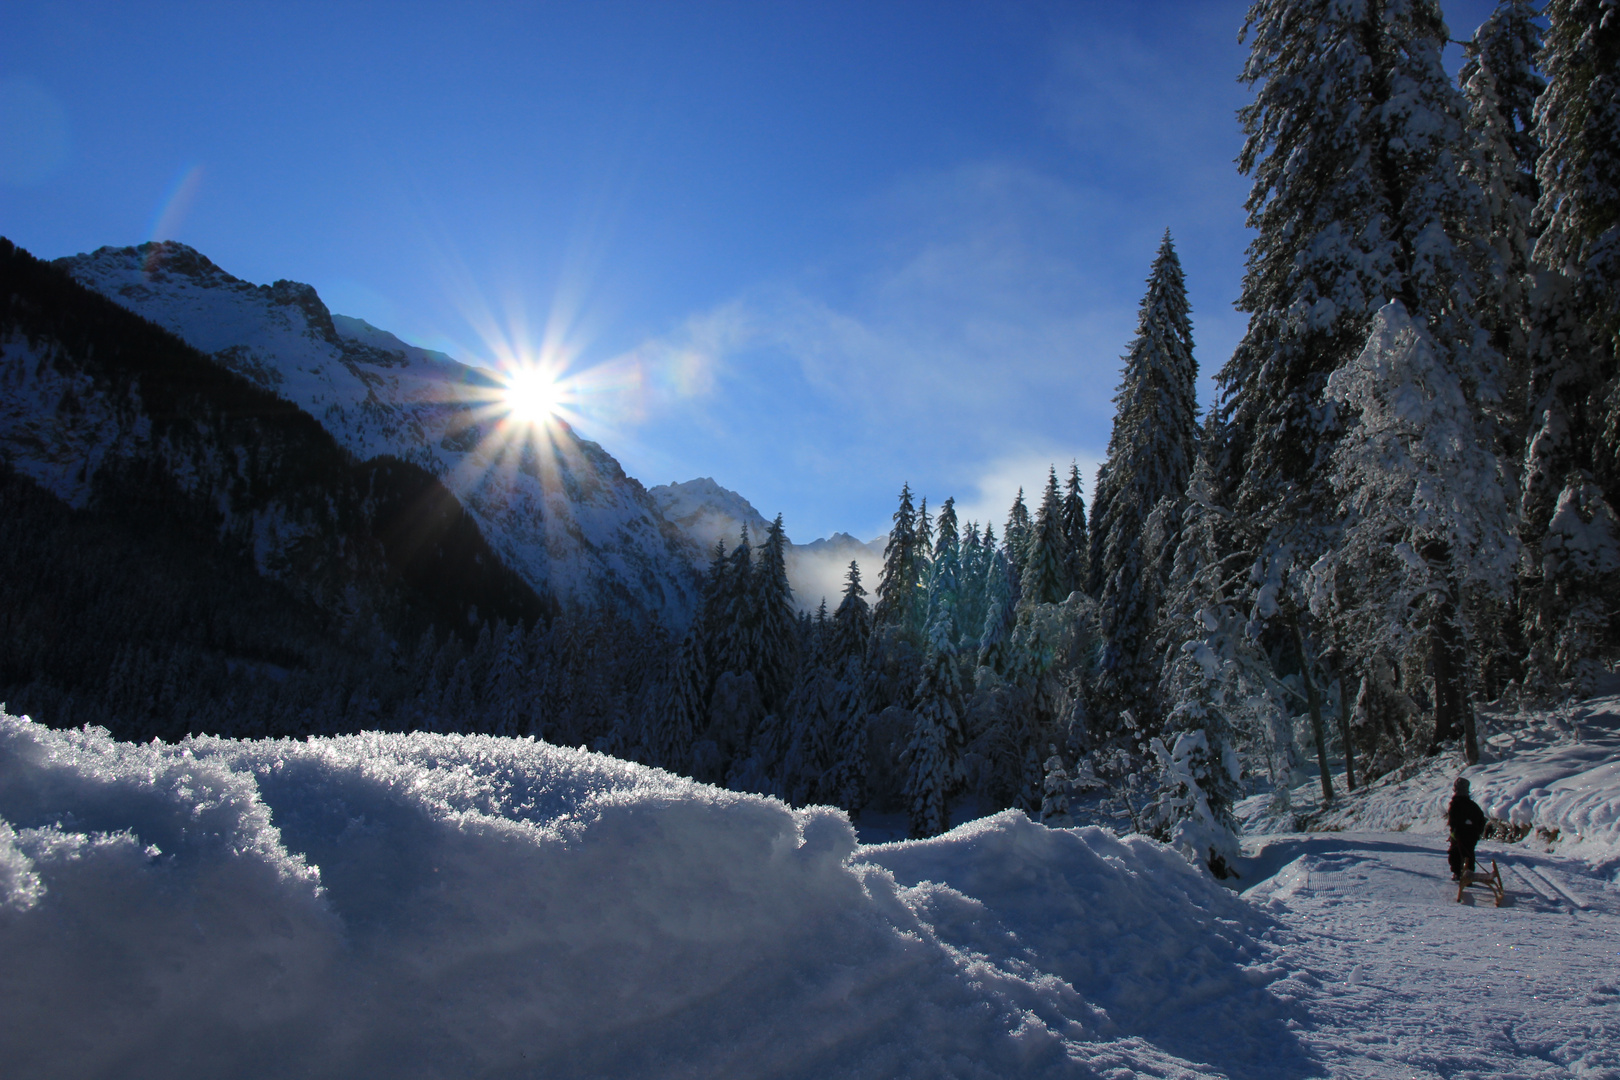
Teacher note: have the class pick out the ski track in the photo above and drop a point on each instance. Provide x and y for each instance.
(1393, 978)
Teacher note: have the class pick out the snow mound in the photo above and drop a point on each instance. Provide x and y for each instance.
(430, 905)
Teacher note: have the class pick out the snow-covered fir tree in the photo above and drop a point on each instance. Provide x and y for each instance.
(1055, 791)
(945, 572)
(932, 756)
(1046, 567)
(1428, 538)
(1000, 611)
(1150, 455)
(773, 610)
(922, 547)
(1356, 144)
(1075, 534)
(1099, 512)
(897, 589)
(1216, 678)
(851, 628)
(737, 632)
(1506, 46)
(1016, 538)
(852, 620)
(1501, 82)
(975, 561)
(1572, 462)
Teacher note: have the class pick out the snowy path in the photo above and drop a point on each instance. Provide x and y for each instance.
(1394, 978)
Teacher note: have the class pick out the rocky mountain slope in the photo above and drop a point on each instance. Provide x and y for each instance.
(558, 510)
(165, 521)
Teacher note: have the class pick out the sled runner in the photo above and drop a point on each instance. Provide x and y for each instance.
(1491, 881)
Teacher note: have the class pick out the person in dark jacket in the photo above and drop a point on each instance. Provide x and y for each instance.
(1467, 823)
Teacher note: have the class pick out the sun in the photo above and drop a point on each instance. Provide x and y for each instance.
(531, 395)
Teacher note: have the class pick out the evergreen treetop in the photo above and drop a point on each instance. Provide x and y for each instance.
(897, 588)
(1075, 535)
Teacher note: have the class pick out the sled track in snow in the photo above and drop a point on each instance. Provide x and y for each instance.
(1394, 979)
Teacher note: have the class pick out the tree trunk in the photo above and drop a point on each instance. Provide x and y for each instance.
(1315, 705)
(1344, 733)
(1470, 735)
(1450, 703)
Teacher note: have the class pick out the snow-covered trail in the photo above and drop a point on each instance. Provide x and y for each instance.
(1394, 978)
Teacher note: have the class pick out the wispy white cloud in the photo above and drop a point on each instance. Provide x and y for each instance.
(998, 481)
(988, 329)
(972, 336)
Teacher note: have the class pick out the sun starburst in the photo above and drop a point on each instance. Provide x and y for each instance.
(532, 395)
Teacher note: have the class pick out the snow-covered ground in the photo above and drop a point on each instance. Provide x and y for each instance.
(430, 906)
(1393, 978)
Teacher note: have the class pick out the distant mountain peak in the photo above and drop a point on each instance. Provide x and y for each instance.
(706, 513)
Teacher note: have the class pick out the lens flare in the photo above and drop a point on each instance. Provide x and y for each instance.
(532, 395)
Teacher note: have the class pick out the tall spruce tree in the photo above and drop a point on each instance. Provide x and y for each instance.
(738, 631)
(897, 590)
(1356, 144)
(932, 757)
(773, 608)
(970, 608)
(1501, 82)
(852, 626)
(1150, 456)
(1016, 538)
(1100, 499)
(1428, 517)
(1000, 613)
(1046, 569)
(1075, 534)
(1505, 46)
(1572, 464)
(923, 559)
(852, 620)
(945, 572)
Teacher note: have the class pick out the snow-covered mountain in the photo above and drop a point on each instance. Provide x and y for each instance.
(705, 513)
(566, 518)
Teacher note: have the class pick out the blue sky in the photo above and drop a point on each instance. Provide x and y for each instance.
(810, 250)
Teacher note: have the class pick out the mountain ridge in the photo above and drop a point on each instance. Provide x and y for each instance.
(709, 513)
(560, 511)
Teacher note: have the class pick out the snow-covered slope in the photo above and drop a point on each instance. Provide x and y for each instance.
(705, 513)
(433, 906)
(1551, 775)
(1398, 978)
(566, 518)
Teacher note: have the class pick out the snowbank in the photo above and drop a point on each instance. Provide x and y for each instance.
(427, 905)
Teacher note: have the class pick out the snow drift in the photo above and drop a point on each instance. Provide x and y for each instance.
(427, 905)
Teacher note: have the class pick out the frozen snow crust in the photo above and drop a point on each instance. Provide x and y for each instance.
(431, 905)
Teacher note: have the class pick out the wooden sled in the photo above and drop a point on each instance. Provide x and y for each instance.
(1491, 881)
